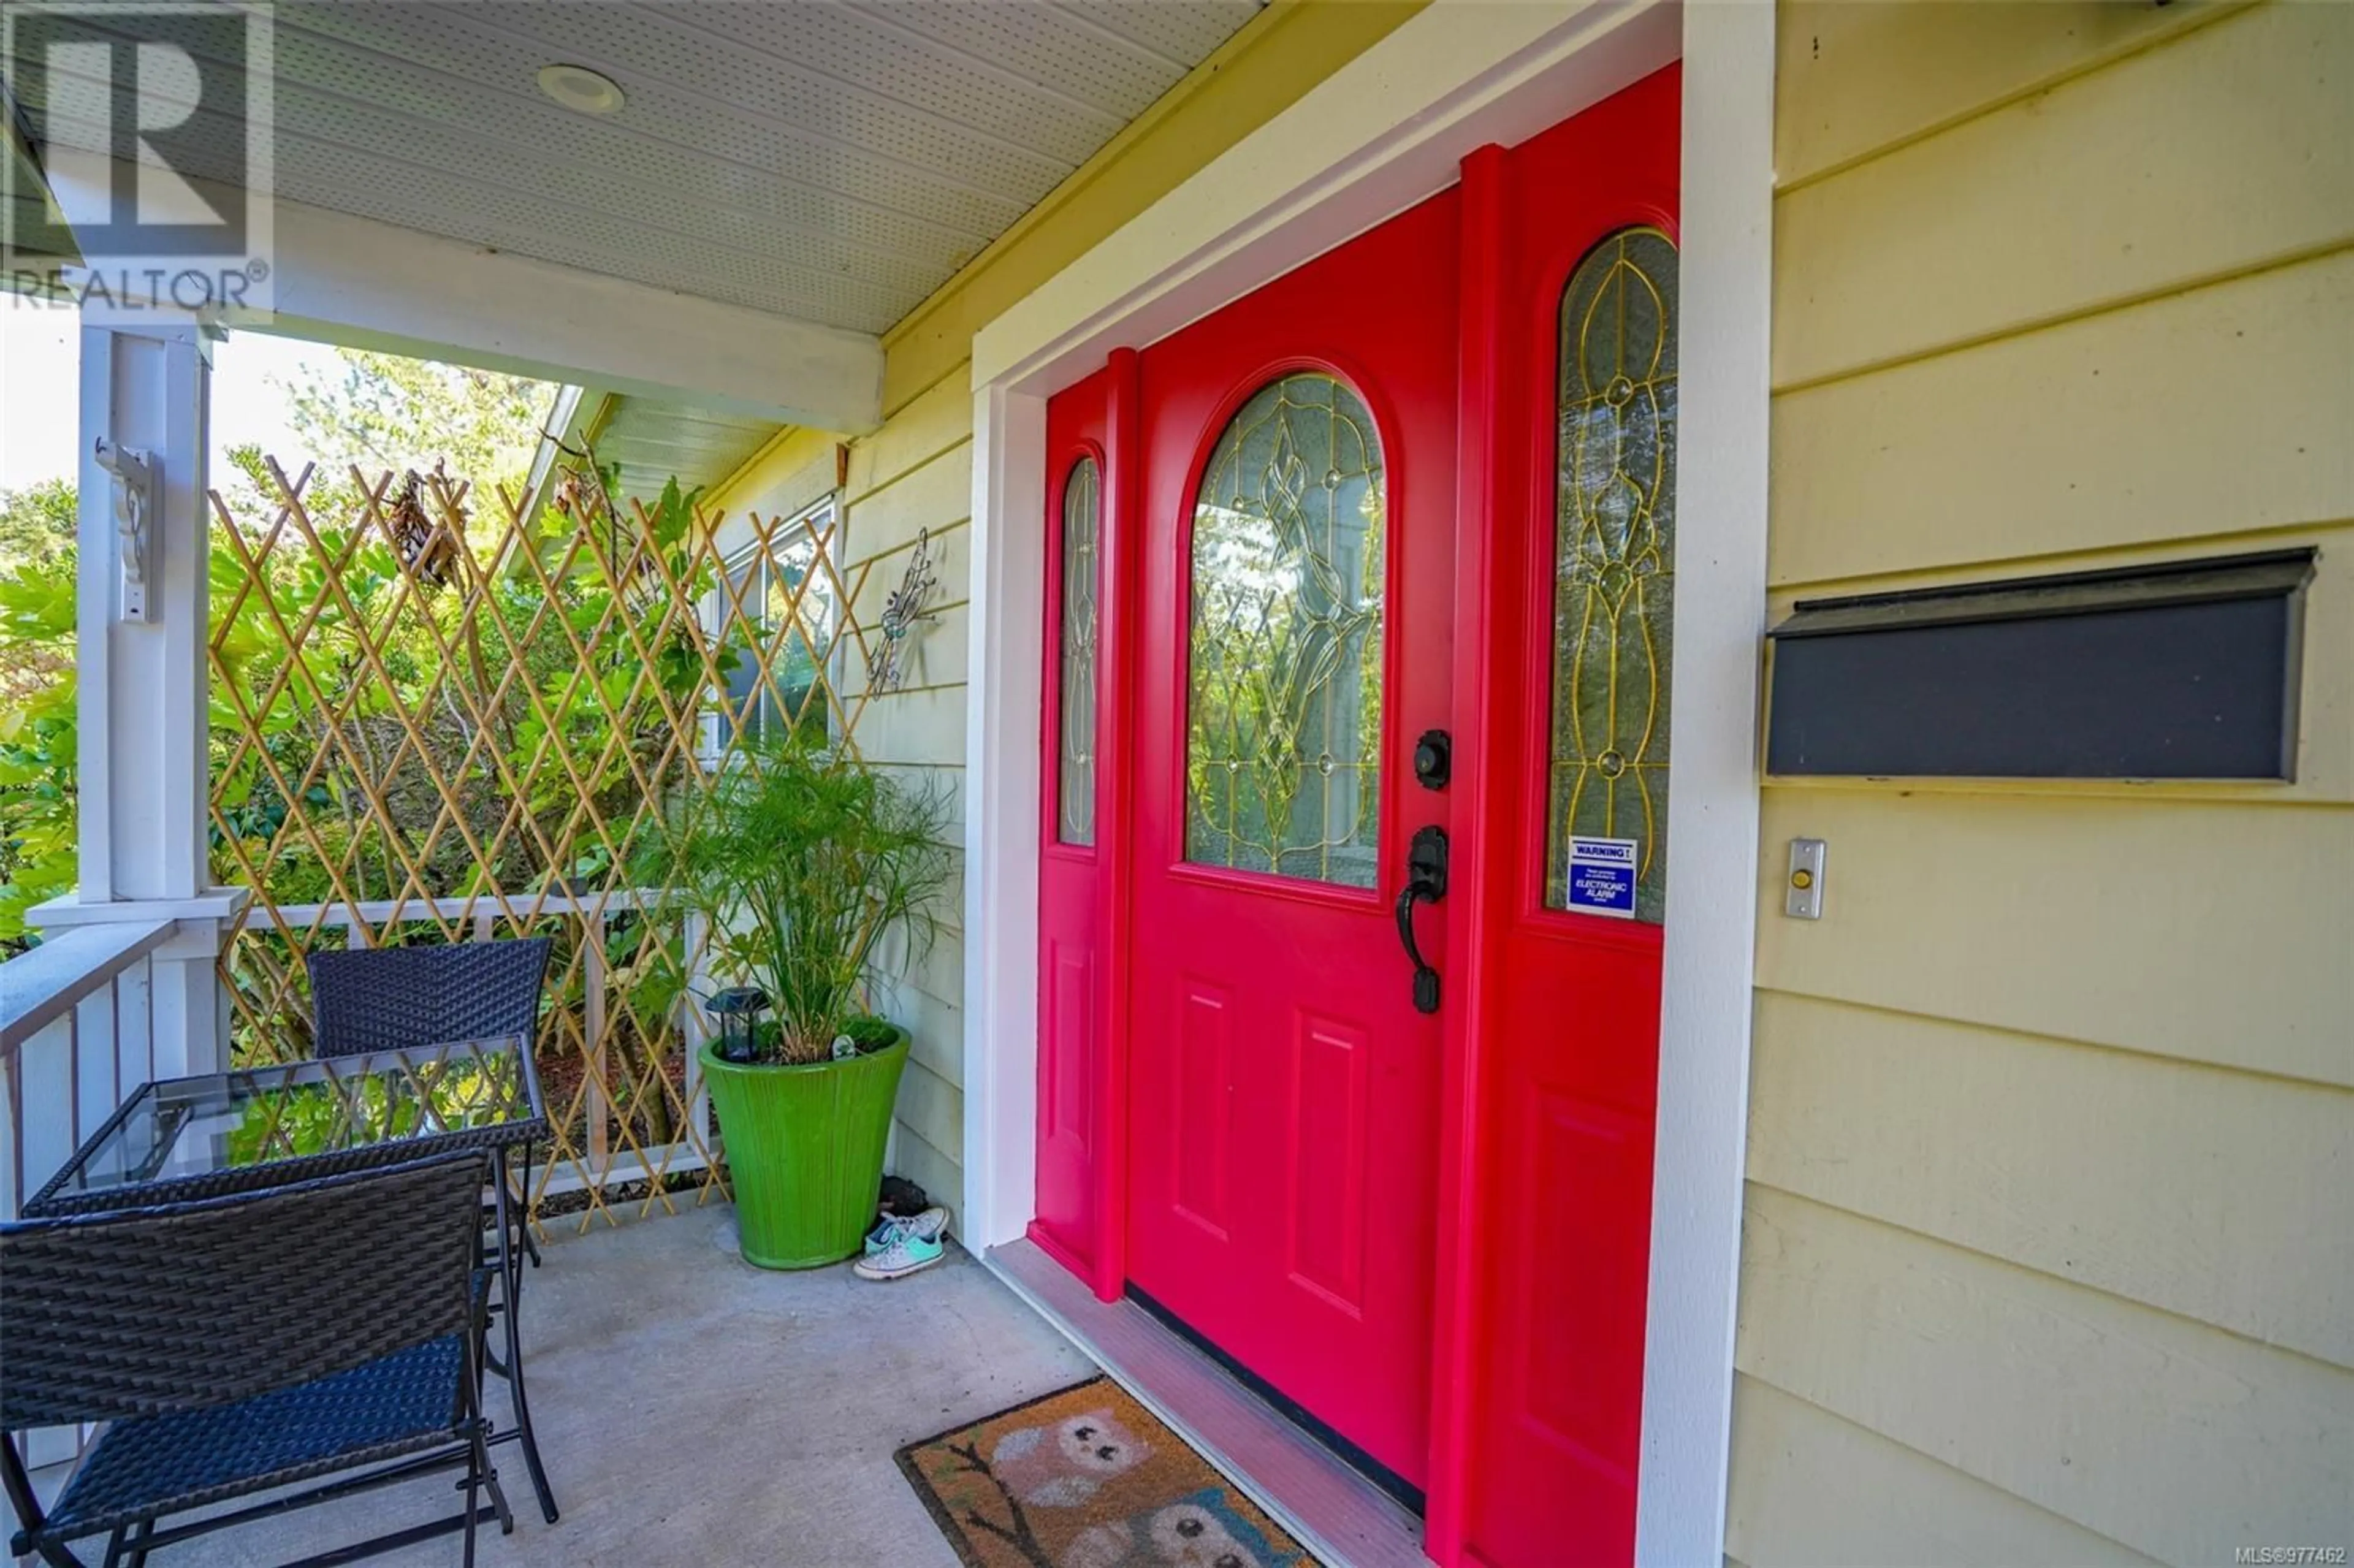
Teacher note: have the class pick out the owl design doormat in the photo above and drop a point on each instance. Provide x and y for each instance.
(1086, 1478)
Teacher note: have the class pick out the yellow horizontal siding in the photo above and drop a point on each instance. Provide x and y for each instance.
(1856, 80)
(936, 494)
(914, 476)
(938, 1027)
(940, 971)
(933, 1109)
(945, 780)
(922, 725)
(2047, 1256)
(2213, 1195)
(2224, 410)
(2213, 932)
(939, 418)
(1812, 1490)
(2231, 148)
(2151, 1429)
(940, 1177)
(792, 472)
(938, 653)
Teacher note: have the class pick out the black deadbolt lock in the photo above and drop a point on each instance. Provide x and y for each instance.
(1434, 759)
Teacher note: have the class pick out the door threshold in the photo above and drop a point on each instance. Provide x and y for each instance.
(1341, 1517)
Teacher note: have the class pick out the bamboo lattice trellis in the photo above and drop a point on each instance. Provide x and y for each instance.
(432, 726)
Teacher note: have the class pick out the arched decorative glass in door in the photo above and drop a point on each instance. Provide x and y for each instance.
(1283, 769)
(1613, 561)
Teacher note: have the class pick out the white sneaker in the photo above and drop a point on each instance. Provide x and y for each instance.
(907, 1252)
(928, 1225)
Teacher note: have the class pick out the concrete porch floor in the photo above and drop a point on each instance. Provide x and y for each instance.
(698, 1412)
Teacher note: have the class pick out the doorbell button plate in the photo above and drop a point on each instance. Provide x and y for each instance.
(1802, 899)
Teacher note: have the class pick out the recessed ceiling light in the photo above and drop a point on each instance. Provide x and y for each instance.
(577, 87)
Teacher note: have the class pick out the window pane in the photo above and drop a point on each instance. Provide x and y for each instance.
(1283, 720)
(1075, 791)
(783, 635)
(1613, 561)
(800, 624)
(744, 640)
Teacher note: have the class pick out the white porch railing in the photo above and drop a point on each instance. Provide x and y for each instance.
(75, 1036)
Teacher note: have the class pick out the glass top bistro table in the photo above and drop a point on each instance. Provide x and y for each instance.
(220, 1133)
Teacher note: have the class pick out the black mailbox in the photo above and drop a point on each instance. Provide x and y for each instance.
(2184, 670)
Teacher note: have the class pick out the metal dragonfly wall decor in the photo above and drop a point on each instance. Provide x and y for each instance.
(903, 611)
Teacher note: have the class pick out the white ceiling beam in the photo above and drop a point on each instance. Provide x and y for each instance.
(367, 284)
(361, 283)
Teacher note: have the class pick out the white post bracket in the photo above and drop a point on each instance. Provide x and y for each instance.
(137, 481)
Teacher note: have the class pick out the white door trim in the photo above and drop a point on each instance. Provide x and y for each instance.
(1380, 134)
(1725, 306)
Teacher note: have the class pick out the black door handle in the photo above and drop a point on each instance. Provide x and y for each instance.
(1426, 881)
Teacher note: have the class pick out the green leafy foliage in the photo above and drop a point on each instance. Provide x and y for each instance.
(811, 867)
(365, 412)
(415, 696)
(381, 413)
(38, 527)
(38, 733)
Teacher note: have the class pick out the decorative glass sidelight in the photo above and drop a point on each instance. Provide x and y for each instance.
(1284, 713)
(1613, 561)
(1074, 789)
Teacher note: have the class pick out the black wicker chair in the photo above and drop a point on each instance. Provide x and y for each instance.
(246, 1343)
(403, 999)
(369, 999)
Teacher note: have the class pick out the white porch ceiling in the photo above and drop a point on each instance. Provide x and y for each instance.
(829, 160)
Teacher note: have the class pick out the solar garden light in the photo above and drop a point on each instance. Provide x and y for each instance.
(738, 1011)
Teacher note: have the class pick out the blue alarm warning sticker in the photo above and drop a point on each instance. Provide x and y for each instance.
(1602, 876)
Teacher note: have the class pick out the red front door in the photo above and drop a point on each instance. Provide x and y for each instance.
(1423, 483)
(1298, 588)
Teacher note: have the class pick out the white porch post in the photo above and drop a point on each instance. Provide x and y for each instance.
(143, 782)
(143, 685)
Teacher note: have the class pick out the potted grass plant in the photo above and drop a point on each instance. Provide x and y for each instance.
(816, 873)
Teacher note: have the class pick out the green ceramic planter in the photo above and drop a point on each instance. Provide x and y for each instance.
(804, 1149)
